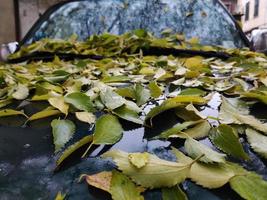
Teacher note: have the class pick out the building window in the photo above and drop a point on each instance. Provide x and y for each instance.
(256, 8)
(247, 12)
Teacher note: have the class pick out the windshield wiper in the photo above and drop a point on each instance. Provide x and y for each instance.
(156, 51)
(159, 51)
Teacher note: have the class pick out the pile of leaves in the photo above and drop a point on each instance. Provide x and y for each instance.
(137, 77)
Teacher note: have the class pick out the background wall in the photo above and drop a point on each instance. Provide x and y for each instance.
(30, 11)
(7, 22)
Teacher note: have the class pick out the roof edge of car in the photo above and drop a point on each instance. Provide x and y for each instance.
(47, 13)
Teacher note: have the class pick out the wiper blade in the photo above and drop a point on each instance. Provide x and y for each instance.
(159, 51)
(156, 51)
(48, 56)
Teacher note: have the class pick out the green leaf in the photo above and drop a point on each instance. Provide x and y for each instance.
(155, 90)
(156, 173)
(115, 79)
(189, 113)
(173, 193)
(51, 87)
(250, 187)
(108, 130)
(71, 149)
(126, 92)
(122, 188)
(142, 94)
(80, 101)
(100, 180)
(193, 92)
(63, 131)
(125, 113)
(43, 114)
(196, 149)
(257, 141)
(111, 99)
(200, 130)
(173, 103)
(176, 130)
(59, 103)
(11, 112)
(194, 63)
(255, 95)
(225, 139)
(139, 160)
(60, 196)
(231, 115)
(206, 175)
(86, 117)
(22, 92)
(5, 102)
(210, 175)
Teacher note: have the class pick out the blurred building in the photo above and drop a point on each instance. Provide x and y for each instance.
(231, 5)
(30, 11)
(7, 21)
(18, 16)
(255, 14)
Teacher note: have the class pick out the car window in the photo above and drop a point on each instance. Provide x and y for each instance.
(205, 19)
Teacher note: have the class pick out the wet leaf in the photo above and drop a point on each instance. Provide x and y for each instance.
(122, 188)
(22, 92)
(194, 63)
(44, 114)
(115, 79)
(251, 186)
(63, 131)
(257, 141)
(189, 113)
(200, 130)
(5, 102)
(206, 175)
(226, 140)
(108, 130)
(80, 101)
(173, 103)
(111, 99)
(142, 95)
(155, 90)
(231, 115)
(11, 112)
(196, 149)
(130, 115)
(101, 180)
(139, 160)
(86, 117)
(60, 196)
(72, 148)
(255, 95)
(210, 175)
(156, 173)
(193, 91)
(59, 103)
(177, 130)
(173, 193)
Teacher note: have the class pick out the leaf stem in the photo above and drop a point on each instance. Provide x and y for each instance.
(84, 154)
(197, 159)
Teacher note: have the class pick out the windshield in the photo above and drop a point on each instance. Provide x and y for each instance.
(204, 19)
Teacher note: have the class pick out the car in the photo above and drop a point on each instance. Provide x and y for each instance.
(259, 40)
(204, 20)
(28, 158)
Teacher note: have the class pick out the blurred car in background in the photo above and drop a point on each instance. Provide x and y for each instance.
(259, 40)
(207, 20)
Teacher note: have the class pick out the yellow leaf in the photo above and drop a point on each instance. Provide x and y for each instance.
(59, 103)
(86, 117)
(139, 160)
